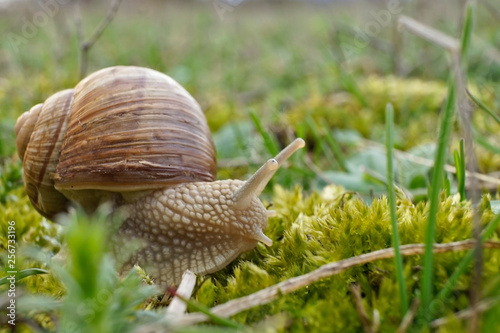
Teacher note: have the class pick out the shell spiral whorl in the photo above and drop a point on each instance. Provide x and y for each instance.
(122, 129)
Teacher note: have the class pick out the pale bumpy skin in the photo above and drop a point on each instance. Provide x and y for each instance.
(191, 226)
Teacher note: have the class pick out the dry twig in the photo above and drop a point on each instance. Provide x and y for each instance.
(86, 45)
(490, 51)
(430, 163)
(375, 321)
(267, 295)
(408, 318)
(481, 306)
(317, 170)
(358, 301)
(177, 307)
(430, 34)
(491, 9)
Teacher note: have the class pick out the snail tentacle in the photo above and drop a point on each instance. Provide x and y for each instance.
(256, 184)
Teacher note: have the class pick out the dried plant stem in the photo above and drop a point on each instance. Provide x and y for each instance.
(430, 163)
(358, 301)
(430, 34)
(481, 306)
(375, 321)
(409, 316)
(177, 307)
(317, 170)
(86, 45)
(491, 9)
(448, 168)
(490, 52)
(269, 294)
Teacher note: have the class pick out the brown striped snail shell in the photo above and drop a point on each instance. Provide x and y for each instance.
(135, 137)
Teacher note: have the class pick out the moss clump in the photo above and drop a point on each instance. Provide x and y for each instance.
(333, 225)
(416, 103)
(308, 231)
(35, 236)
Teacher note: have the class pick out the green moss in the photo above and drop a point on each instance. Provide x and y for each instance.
(310, 231)
(31, 228)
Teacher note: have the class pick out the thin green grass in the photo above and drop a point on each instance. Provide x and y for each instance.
(270, 144)
(459, 157)
(391, 194)
(335, 147)
(480, 140)
(193, 305)
(467, 33)
(483, 107)
(326, 146)
(320, 147)
(444, 137)
(446, 291)
(349, 84)
(22, 274)
(436, 185)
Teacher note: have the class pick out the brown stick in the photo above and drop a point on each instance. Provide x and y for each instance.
(430, 163)
(481, 306)
(358, 301)
(491, 9)
(269, 294)
(86, 45)
(408, 318)
(177, 307)
(430, 34)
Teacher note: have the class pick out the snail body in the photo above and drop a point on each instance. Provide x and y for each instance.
(134, 137)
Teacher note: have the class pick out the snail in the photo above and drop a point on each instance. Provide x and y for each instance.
(136, 138)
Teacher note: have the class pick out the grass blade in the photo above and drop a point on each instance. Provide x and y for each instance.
(320, 149)
(467, 32)
(459, 157)
(483, 106)
(483, 142)
(334, 146)
(349, 84)
(446, 185)
(437, 179)
(461, 268)
(391, 193)
(271, 145)
(334, 153)
(24, 273)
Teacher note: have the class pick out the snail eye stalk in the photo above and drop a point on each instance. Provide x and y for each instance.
(256, 184)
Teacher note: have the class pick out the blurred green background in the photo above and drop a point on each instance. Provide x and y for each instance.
(265, 72)
(317, 69)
